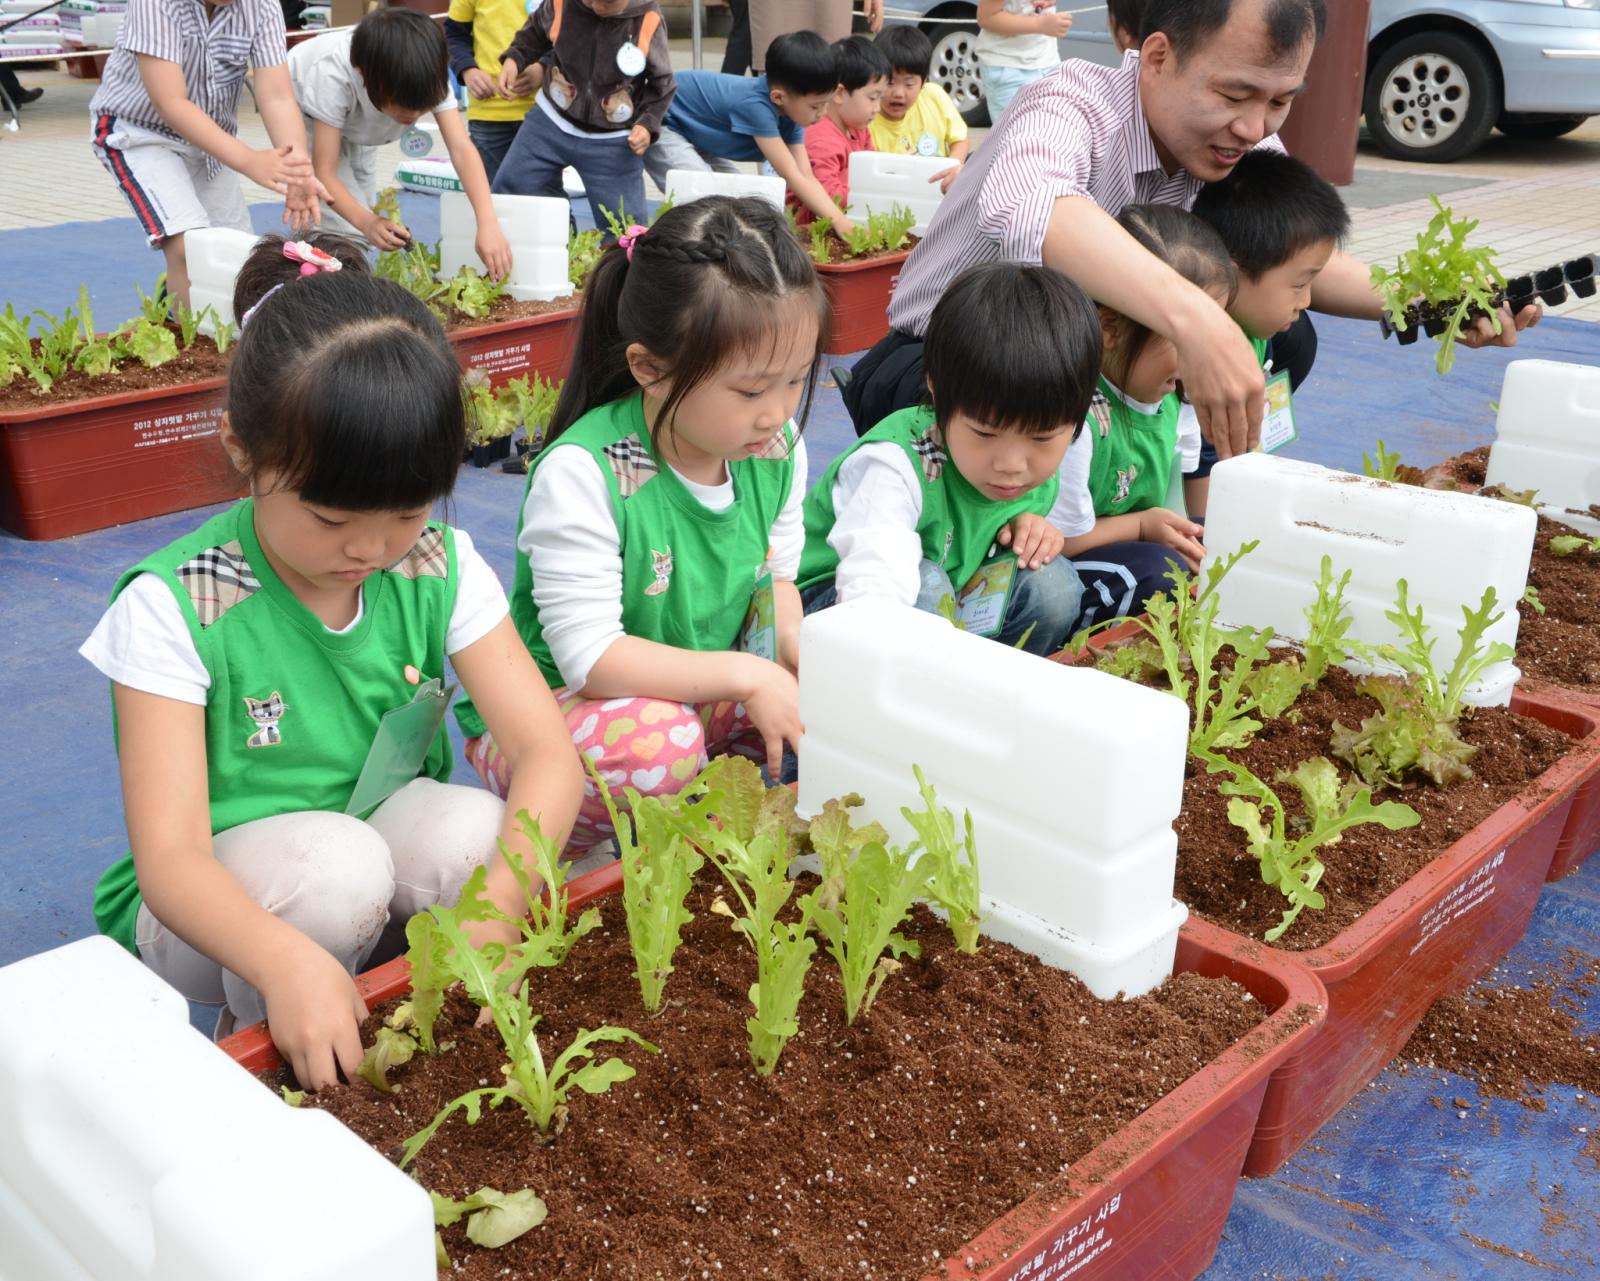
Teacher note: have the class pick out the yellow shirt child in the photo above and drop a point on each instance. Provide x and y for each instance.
(917, 118)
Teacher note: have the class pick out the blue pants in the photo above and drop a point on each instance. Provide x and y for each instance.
(1120, 577)
(1046, 599)
(493, 138)
(612, 175)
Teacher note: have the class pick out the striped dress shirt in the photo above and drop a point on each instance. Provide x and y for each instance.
(1079, 130)
(213, 56)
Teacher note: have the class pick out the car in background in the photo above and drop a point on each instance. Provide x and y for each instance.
(1439, 76)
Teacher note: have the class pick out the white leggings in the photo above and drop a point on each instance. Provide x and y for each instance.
(338, 880)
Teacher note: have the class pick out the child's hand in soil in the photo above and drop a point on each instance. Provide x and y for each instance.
(495, 250)
(1034, 539)
(1158, 525)
(638, 140)
(772, 701)
(842, 226)
(314, 1014)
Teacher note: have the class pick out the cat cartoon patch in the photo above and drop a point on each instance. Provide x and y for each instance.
(265, 713)
(1125, 481)
(661, 563)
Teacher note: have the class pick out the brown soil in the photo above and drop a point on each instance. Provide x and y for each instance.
(1220, 879)
(504, 309)
(839, 252)
(1514, 1041)
(191, 365)
(873, 1151)
(1563, 644)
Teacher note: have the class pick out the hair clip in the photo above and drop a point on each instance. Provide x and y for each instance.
(311, 259)
(629, 238)
(256, 306)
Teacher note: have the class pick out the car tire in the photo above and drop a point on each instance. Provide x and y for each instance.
(1433, 96)
(1539, 126)
(955, 69)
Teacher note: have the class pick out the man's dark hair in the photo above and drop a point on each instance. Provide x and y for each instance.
(907, 49)
(1015, 347)
(859, 63)
(802, 62)
(402, 58)
(1270, 208)
(1188, 24)
(1129, 15)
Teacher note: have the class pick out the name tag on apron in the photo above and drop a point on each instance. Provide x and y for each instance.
(981, 604)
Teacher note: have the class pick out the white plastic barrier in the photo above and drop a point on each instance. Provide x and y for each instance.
(1447, 546)
(1547, 437)
(214, 256)
(132, 1149)
(1073, 779)
(684, 185)
(100, 29)
(536, 226)
(880, 180)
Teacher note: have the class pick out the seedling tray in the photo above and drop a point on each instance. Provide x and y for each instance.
(1436, 934)
(507, 349)
(1150, 1201)
(89, 464)
(859, 295)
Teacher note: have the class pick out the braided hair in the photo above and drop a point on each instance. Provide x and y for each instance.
(710, 281)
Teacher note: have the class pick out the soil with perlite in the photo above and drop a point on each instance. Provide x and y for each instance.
(873, 1152)
(1220, 879)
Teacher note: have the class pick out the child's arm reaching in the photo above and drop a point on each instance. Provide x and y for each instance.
(313, 1006)
(992, 16)
(325, 142)
(494, 250)
(287, 128)
(795, 169)
(1033, 538)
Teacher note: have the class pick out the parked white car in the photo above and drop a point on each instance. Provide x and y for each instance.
(1439, 76)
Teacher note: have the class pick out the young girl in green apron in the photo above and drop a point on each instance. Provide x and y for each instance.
(276, 678)
(661, 532)
(1132, 435)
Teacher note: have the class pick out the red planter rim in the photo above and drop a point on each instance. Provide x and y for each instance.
(111, 400)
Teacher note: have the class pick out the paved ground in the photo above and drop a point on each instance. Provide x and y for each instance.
(1535, 200)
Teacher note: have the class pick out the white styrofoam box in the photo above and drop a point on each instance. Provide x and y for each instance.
(100, 29)
(536, 227)
(1547, 437)
(880, 180)
(132, 1149)
(1447, 546)
(213, 256)
(1073, 778)
(684, 185)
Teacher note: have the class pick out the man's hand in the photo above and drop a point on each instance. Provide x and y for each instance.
(1480, 333)
(1034, 539)
(638, 140)
(480, 84)
(1222, 379)
(275, 168)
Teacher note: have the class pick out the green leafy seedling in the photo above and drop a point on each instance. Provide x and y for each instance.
(1531, 595)
(493, 1218)
(950, 866)
(1571, 545)
(1386, 466)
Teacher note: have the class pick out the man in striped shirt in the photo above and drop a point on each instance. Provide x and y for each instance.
(1211, 80)
(166, 120)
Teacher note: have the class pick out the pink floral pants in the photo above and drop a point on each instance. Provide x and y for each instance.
(652, 745)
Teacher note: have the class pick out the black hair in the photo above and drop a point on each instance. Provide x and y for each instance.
(346, 387)
(266, 267)
(1014, 347)
(1128, 15)
(907, 49)
(859, 62)
(1270, 208)
(402, 58)
(1187, 245)
(1188, 24)
(802, 62)
(707, 282)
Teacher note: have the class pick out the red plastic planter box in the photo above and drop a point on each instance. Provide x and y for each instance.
(1150, 1201)
(859, 294)
(508, 349)
(89, 464)
(1581, 837)
(1436, 934)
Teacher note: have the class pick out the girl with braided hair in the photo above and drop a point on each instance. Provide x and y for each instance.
(662, 527)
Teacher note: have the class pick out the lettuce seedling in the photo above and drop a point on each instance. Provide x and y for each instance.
(1403, 737)
(1327, 621)
(1385, 467)
(752, 845)
(532, 402)
(951, 869)
(583, 251)
(1290, 864)
(659, 864)
(494, 1218)
(472, 293)
(415, 269)
(188, 321)
(150, 344)
(1445, 695)
(1531, 594)
(155, 309)
(222, 333)
(1570, 545)
(866, 894)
